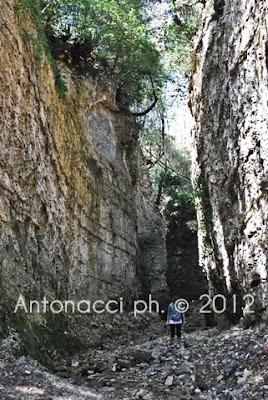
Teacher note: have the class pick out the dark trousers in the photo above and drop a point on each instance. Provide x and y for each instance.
(175, 328)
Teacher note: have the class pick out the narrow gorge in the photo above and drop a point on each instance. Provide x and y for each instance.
(133, 172)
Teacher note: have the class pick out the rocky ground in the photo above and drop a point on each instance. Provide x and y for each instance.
(231, 365)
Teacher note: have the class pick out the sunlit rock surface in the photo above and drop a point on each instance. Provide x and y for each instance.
(73, 208)
(229, 102)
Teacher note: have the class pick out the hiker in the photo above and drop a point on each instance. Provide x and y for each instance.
(175, 319)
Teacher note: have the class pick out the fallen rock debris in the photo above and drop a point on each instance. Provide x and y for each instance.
(232, 365)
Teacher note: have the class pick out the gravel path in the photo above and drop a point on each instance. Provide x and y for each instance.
(232, 365)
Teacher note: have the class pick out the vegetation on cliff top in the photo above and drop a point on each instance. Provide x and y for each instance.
(140, 45)
(118, 37)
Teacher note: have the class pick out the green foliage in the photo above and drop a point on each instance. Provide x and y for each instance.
(122, 42)
(59, 81)
(39, 41)
(41, 336)
(117, 35)
(178, 49)
(173, 33)
(192, 225)
(169, 170)
(31, 7)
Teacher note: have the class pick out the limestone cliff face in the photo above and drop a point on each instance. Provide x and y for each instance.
(185, 278)
(229, 102)
(72, 205)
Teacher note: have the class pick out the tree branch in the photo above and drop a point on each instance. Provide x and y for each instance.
(143, 113)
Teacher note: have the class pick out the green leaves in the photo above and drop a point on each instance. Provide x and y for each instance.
(118, 36)
(122, 41)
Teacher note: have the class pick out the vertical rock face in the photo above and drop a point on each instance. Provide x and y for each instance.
(185, 278)
(229, 102)
(72, 204)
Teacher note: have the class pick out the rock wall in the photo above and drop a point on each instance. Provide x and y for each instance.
(72, 205)
(229, 103)
(184, 276)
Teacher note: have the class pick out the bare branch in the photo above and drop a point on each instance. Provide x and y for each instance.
(143, 113)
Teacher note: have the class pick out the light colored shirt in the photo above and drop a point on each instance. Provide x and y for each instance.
(174, 317)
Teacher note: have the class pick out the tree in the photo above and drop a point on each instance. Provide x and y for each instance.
(116, 31)
(118, 38)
